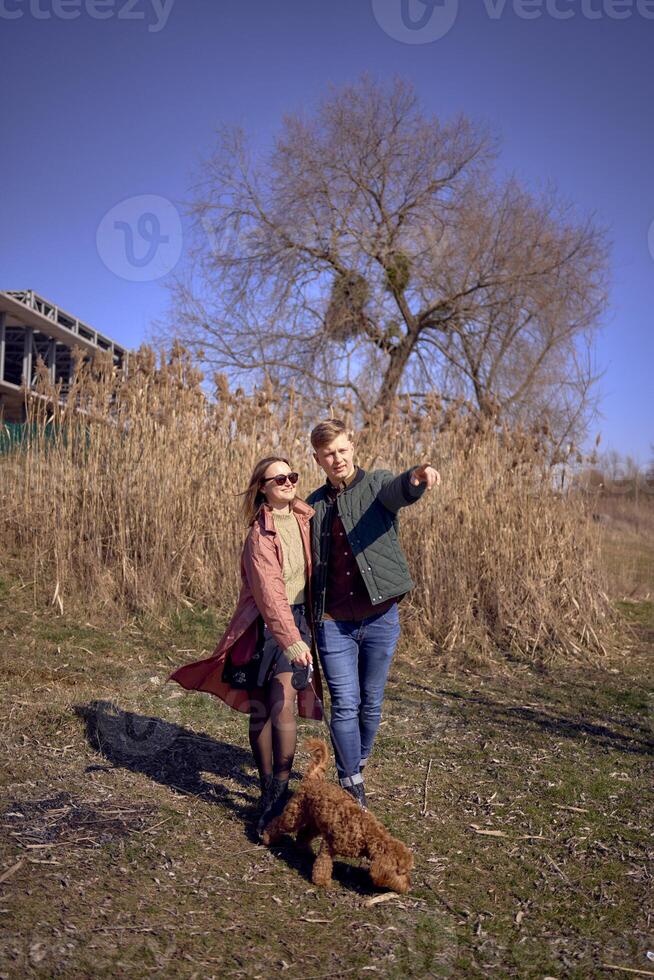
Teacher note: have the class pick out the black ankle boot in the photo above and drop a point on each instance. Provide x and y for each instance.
(265, 785)
(276, 800)
(359, 794)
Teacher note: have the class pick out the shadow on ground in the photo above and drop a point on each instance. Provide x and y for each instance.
(554, 724)
(172, 755)
(300, 859)
(176, 757)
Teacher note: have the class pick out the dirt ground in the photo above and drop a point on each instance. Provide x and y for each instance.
(126, 823)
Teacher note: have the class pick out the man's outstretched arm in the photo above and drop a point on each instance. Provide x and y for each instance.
(408, 487)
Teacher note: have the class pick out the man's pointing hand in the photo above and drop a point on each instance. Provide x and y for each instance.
(426, 474)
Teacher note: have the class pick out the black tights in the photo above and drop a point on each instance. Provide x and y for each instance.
(273, 729)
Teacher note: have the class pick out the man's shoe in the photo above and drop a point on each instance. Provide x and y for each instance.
(359, 794)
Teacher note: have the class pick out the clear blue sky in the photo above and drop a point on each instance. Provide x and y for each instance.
(95, 111)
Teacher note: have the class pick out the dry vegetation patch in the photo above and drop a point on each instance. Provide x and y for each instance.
(626, 523)
(129, 492)
(64, 820)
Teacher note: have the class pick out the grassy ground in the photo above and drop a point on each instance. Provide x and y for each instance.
(126, 844)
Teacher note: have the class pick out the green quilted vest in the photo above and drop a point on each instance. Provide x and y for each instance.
(368, 509)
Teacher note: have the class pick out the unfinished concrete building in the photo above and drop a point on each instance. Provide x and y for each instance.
(31, 326)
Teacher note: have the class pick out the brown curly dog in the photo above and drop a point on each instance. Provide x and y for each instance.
(321, 809)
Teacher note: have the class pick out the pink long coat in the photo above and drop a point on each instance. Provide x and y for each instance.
(262, 593)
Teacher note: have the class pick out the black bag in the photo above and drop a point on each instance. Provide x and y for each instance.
(238, 677)
(302, 674)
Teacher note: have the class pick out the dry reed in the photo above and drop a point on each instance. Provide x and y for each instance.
(126, 495)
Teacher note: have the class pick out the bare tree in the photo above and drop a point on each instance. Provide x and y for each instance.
(372, 251)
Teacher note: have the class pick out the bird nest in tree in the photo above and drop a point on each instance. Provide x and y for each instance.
(345, 317)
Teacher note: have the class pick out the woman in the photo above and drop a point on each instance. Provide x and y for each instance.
(268, 639)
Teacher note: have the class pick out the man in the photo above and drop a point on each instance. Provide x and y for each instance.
(359, 576)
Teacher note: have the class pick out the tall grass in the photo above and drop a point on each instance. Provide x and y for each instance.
(126, 495)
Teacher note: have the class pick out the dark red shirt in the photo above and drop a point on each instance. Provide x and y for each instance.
(347, 595)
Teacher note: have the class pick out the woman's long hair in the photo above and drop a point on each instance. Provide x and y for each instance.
(253, 497)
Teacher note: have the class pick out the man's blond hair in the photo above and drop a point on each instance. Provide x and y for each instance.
(325, 432)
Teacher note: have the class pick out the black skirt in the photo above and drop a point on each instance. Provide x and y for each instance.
(268, 659)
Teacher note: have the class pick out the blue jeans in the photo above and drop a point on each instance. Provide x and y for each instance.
(355, 658)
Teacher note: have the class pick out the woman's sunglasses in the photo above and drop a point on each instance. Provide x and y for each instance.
(282, 478)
